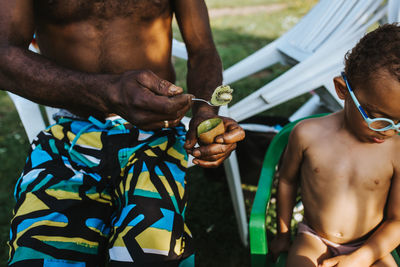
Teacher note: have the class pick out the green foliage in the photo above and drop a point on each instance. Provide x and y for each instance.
(13, 149)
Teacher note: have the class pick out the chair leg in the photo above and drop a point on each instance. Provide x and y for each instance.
(233, 176)
(235, 187)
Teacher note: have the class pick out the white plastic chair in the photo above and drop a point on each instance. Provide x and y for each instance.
(34, 121)
(316, 45)
(393, 11)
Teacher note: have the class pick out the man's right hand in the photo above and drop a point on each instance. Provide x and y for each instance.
(147, 101)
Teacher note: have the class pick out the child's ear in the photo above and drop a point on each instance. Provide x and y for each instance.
(340, 87)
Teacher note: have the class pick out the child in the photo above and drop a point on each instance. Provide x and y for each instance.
(348, 166)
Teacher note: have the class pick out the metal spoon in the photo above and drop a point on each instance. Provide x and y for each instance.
(205, 101)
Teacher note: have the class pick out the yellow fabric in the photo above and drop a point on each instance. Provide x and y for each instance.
(172, 152)
(32, 203)
(57, 131)
(153, 238)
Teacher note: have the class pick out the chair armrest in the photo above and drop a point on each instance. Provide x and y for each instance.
(396, 257)
(257, 224)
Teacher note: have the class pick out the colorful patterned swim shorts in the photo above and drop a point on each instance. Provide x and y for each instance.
(95, 193)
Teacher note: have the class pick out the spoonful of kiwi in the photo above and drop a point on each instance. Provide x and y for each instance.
(210, 128)
(222, 95)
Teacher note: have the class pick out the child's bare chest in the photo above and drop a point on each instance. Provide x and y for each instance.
(362, 168)
(75, 10)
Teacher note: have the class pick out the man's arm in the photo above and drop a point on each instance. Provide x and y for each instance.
(288, 175)
(138, 96)
(204, 64)
(204, 75)
(35, 77)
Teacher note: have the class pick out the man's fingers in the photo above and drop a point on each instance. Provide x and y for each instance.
(213, 149)
(208, 164)
(159, 124)
(144, 117)
(215, 157)
(234, 135)
(164, 105)
(207, 156)
(191, 139)
(171, 105)
(157, 85)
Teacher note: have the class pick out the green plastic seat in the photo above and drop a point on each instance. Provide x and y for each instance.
(257, 224)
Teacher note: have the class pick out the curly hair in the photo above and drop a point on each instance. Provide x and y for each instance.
(379, 49)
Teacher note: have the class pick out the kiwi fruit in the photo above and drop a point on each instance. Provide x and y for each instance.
(222, 95)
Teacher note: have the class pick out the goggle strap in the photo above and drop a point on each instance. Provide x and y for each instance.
(362, 111)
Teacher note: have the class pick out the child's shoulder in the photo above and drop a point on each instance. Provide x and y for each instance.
(315, 126)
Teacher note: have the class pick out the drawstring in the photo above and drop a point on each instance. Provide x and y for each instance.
(101, 125)
(77, 136)
(94, 121)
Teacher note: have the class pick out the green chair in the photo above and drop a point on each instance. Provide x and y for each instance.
(257, 224)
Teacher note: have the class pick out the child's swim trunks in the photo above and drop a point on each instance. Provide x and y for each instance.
(94, 192)
(334, 248)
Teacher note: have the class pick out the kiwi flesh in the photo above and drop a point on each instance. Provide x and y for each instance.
(222, 95)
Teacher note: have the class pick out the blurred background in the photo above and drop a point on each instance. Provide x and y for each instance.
(239, 28)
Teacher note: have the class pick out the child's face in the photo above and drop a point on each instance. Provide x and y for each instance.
(379, 96)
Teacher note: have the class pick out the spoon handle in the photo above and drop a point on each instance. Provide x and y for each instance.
(199, 99)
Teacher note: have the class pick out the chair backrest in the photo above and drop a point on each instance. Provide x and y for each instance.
(321, 56)
(327, 21)
(393, 11)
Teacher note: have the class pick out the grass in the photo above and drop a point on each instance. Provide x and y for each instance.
(210, 214)
(13, 150)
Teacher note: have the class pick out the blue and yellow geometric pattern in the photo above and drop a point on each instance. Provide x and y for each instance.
(95, 192)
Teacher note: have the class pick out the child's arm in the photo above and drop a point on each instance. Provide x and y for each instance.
(287, 189)
(387, 236)
(385, 239)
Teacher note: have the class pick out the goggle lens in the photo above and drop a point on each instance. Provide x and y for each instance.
(380, 125)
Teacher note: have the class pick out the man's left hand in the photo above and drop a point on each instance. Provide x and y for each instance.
(212, 155)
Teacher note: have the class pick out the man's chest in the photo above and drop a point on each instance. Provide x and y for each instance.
(75, 10)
